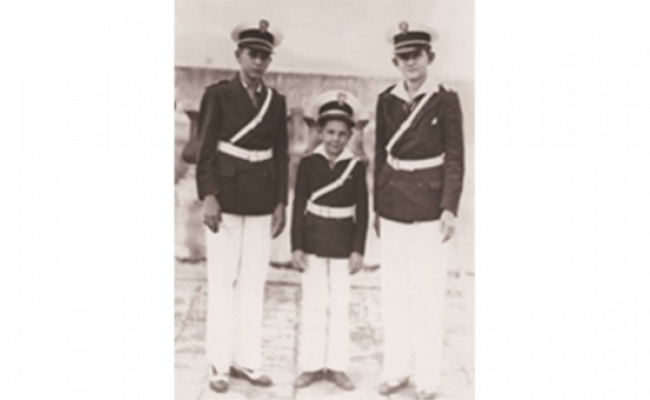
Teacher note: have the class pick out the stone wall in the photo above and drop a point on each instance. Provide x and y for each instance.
(300, 88)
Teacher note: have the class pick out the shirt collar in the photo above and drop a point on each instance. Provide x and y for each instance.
(346, 154)
(399, 90)
(257, 90)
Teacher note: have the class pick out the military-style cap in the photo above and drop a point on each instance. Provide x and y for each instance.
(336, 104)
(257, 34)
(407, 37)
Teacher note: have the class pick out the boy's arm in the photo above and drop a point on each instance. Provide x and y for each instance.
(209, 117)
(454, 154)
(281, 154)
(361, 217)
(380, 148)
(299, 205)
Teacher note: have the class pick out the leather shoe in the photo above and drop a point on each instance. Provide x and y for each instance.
(307, 378)
(256, 378)
(390, 387)
(217, 382)
(340, 379)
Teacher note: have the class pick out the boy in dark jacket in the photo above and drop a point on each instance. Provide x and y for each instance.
(242, 180)
(328, 234)
(418, 183)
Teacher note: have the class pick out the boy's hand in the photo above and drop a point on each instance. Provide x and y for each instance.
(277, 221)
(356, 263)
(298, 261)
(376, 224)
(211, 213)
(447, 225)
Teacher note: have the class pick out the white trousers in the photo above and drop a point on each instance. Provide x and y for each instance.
(325, 334)
(237, 262)
(413, 275)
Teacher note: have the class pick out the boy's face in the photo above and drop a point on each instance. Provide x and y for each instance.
(413, 65)
(253, 62)
(335, 135)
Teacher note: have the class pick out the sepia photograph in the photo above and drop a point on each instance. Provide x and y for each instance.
(324, 199)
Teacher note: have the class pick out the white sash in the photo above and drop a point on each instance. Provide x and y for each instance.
(337, 183)
(330, 212)
(255, 121)
(408, 121)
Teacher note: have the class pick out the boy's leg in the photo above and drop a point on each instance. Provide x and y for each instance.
(428, 271)
(395, 304)
(311, 356)
(223, 257)
(256, 252)
(338, 339)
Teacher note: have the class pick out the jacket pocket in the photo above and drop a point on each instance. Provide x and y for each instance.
(257, 187)
(384, 176)
(434, 184)
(415, 200)
(226, 166)
(382, 181)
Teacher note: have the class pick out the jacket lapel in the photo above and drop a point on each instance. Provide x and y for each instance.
(431, 104)
(327, 174)
(243, 104)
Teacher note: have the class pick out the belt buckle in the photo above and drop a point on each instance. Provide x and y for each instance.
(399, 165)
(396, 162)
(403, 165)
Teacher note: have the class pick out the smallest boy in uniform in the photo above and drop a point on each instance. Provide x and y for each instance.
(328, 235)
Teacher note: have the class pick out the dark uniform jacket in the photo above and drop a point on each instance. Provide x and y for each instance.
(242, 187)
(327, 237)
(420, 195)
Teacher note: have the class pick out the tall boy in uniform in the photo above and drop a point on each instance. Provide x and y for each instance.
(242, 180)
(418, 182)
(328, 234)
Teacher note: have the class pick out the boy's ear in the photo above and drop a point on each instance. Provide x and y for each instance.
(361, 124)
(395, 61)
(311, 123)
(432, 56)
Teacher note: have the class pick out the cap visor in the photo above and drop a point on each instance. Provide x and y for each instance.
(409, 49)
(257, 46)
(322, 119)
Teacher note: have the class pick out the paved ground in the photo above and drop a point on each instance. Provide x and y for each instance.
(280, 335)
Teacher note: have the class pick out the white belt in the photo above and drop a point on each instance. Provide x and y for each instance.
(412, 165)
(245, 154)
(330, 212)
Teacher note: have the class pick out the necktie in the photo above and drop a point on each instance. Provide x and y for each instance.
(410, 107)
(415, 102)
(258, 98)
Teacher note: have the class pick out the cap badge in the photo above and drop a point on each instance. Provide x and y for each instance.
(264, 25)
(404, 26)
(341, 98)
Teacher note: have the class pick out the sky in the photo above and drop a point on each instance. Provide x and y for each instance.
(333, 36)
